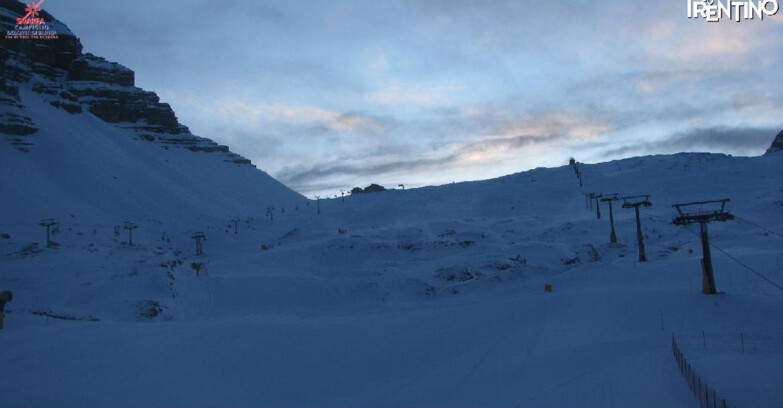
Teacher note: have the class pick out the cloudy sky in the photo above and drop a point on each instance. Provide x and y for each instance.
(333, 94)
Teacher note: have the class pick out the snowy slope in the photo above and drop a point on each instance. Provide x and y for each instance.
(425, 297)
(83, 167)
(431, 297)
(80, 142)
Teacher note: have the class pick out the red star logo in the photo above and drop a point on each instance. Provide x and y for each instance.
(33, 9)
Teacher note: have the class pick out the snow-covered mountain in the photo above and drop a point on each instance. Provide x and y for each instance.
(78, 139)
(431, 296)
(423, 297)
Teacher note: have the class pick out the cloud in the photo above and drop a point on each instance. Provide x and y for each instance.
(653, 82)
(305, 178)
(329, 92)
(256, 114)
(395, 93)
(486, 147)
(742, 141)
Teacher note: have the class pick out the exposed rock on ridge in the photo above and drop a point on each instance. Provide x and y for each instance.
(76, 82)
(777, 144)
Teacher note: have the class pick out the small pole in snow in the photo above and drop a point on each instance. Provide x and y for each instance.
(48, 223)
(342, 195)
(235, 220)
(198, 237)
(318, 202)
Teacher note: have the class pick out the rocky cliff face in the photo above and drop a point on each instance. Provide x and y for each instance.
(777, 144)
(59, 72)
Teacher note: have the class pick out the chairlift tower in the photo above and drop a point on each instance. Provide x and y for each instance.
(129, 226)
(48, 223)
(609, 198)
(578, 174)
(270, 212)
(703, 217)
(597, 198)
(590, 198)
(635, 202)
(587, 200)
(198, 237)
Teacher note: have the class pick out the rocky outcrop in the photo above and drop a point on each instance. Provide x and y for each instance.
(13, 119)
(777, 144)
(43, 57)
(79, 83)
(127, 105)
(372, 188)
(88, 67)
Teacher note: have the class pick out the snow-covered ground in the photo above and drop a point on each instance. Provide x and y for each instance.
(82, 169)
(424, 297)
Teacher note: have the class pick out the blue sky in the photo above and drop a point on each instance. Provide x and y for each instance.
(328, 95)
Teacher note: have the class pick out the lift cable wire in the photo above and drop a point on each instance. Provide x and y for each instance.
(730, 256)
(758, 226)
(741, 263)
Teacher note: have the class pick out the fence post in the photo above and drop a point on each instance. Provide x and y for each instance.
(695, 384)
(714, 399)
(700, 389)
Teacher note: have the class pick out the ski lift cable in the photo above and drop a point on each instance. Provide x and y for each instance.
(741, 263)
(778, 286)
(758, 226)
